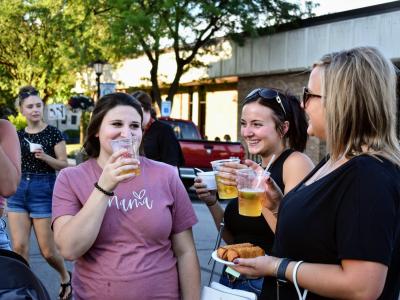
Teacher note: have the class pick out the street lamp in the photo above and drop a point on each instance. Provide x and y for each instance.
(98, 66)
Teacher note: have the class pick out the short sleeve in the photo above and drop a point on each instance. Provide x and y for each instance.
(57, 136)
(366, 219)
(65, 201)
(183, 215)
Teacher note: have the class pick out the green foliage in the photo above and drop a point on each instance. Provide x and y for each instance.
(19, 121)
(44, 43)
(184, 26)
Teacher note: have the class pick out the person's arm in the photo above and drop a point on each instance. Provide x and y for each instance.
(273, 197)
(74, 235)
(353, 279)
(10, 159)
(57, 163)
(188, 265)
(217, 212)
(296, 167)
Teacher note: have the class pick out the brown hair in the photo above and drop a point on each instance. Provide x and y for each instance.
(25, 92)
(91, 144)
(296, 136)
(144, 99)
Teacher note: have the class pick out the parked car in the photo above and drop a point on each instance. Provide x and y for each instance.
(197, 152)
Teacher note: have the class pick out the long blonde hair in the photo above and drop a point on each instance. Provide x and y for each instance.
(359, 95)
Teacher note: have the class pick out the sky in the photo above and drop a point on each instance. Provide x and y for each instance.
(332, 6)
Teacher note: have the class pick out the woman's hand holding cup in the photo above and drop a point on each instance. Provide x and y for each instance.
(273, 193)
(117, 169)
(209, 196)
(227, 172)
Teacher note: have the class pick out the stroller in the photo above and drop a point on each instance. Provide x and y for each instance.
(17, 281)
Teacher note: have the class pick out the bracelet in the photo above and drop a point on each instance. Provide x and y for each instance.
(212, 204)
(277, 263)
(282, 269)
(107, 193)
(294, 277)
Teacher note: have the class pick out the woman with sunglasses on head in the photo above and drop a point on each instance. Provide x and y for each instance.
(338, 232)
(272, 123)
(43, 152)
(131, 235)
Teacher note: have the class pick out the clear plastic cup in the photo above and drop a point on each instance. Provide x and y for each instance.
(33, 147)
(208, 178)
(224, 191)
(132, 146)
(251, 189)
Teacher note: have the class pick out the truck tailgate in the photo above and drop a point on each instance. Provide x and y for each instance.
(199, 153)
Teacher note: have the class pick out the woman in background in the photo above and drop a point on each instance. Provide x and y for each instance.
(159, 140)
(43, 152)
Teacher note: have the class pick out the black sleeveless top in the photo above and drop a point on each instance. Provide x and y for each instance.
(254, 230)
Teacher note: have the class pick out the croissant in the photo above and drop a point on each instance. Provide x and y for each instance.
(244, 252)
(222, 251)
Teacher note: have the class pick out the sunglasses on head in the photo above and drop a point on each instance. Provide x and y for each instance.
(267, 94)
(25, 95)
(307, 95)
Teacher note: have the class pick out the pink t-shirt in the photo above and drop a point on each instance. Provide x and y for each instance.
(132, 257)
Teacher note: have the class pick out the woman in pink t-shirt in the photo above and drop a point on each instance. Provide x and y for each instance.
(131, 236)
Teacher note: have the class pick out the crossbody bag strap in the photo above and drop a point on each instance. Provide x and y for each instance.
(216, 246)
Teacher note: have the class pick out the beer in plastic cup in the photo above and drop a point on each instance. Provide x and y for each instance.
(251, 188)
(132, 146)
(208, 178)
(224, 191)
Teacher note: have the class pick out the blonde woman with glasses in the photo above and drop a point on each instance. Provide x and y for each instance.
(337, 232)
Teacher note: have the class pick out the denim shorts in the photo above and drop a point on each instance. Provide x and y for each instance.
(4, 241)
(242, 283)
(33, 195)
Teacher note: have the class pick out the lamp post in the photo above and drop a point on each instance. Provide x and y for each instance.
(98, 66)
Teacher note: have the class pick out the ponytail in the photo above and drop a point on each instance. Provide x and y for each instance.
(297, 133)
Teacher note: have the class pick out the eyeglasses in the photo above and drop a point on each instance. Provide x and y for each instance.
(25, 95)
(307, 95)
(265, 94)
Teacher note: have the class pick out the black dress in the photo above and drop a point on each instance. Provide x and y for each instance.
(351, 213)
(254, 230)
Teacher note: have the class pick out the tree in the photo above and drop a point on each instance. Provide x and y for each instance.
(44, 43)
(184, 27)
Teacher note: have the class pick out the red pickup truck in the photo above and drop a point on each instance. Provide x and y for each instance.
(197, 152)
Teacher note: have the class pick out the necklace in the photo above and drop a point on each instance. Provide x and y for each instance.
(326, 169)
(35, 130)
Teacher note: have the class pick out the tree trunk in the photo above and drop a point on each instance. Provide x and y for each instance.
(173, 89)
(155, 89)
